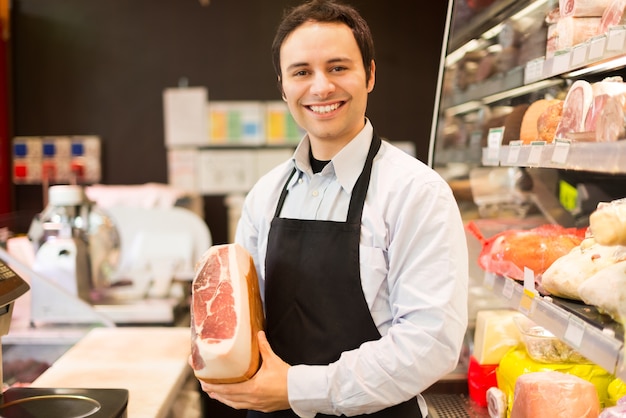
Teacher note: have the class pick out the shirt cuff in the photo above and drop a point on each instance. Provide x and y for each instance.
(307, 390)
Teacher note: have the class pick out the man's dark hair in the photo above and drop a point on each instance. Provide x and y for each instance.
(325, 11)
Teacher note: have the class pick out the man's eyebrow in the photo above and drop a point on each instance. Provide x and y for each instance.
(295, 65)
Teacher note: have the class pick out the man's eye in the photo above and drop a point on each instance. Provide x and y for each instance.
(338, 69)
(300, 73)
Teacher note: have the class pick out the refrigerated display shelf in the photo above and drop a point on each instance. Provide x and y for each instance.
(592, 334)
(601, 157)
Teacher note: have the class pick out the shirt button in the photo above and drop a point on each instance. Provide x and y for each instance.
(315, 193)
(300, 180)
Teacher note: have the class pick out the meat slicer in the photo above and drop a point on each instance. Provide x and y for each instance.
(131, 264)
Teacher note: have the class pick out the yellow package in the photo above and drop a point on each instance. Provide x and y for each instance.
(617, 390)
(517, 362)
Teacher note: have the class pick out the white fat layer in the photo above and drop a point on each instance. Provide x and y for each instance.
(231, 358)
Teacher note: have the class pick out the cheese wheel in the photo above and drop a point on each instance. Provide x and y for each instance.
(226, 315)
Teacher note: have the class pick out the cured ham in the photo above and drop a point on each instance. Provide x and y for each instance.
(613, 15)
(610, 124)
(582, 8)
(570, 31)
(575, 107)
(226, 315)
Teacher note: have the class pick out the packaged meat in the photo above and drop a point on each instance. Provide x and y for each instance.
(606, 290)
(226, 315)
(551, 394)
(580, 8)
(607, 223)
(508, 252)
(564, 277)
(577, 102)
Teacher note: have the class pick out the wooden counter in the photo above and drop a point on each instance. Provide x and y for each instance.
(151, 362)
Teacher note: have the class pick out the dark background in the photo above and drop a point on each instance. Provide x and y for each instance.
(100, 66)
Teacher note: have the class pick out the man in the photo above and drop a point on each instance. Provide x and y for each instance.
(359, 247)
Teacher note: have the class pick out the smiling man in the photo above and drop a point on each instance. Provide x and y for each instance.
(359, 248)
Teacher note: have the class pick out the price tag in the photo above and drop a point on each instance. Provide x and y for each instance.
(489, 280)
(514, 150)
(561, 62)
(494, 141)
(574, 331)
(509, 287)
(529, 280)
(616, 38)
(527, 302)
(579, 55)
(561, 149)
(596, 47)
(536, 148)
(533, 71)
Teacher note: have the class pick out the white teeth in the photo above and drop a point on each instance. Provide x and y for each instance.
(324, 109)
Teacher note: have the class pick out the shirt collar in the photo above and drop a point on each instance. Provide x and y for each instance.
(347, 164)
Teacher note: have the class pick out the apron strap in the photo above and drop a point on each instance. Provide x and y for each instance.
(355, 209)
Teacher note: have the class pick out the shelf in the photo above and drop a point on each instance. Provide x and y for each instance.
(601, 157)
(599, 340)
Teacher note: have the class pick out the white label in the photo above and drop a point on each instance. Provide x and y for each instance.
(579, 55)
(533, 71)
(596, 47)
(615, 41)
(514, 150)
(561, 149)
(536, 148)
(561, 62)
(575, 331)
(509, 287)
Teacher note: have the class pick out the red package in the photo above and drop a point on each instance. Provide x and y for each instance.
(508, 252)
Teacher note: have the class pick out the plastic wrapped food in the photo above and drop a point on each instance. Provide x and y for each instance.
(608, 223)
(508, 252)
(542, 346)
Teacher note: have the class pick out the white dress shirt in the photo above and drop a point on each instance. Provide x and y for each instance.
(414, 273)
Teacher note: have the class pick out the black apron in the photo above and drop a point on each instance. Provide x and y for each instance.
(315, 306)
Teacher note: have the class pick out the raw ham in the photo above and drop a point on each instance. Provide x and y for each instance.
(226, 315)
(602, 90)
(613, 15)
(552, 394)
(570, 31)
(610, 124)
(577, 103)
(582, 8)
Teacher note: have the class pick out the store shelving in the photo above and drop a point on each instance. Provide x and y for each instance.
(592, 334)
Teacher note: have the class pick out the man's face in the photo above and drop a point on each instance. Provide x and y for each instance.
(323, 81)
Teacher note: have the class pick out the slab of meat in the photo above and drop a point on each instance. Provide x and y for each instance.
(575, 107)
(580, 8)
(613, 15)
(226, 314)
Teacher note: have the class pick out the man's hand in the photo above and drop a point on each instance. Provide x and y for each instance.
(266, 391)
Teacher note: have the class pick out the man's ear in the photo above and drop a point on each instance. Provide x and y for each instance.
(372, 80)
